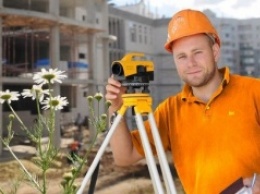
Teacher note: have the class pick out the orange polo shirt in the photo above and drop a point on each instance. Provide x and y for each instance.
(212, 144)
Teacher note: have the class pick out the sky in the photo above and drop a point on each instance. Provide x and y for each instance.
(240, 9)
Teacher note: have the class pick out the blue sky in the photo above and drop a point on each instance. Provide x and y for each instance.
(240, 9)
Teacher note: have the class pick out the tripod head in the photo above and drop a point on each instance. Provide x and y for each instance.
(134, 71)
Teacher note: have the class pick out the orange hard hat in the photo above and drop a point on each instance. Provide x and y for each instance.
(189, 22)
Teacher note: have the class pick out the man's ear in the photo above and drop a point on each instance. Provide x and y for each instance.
(216, 51)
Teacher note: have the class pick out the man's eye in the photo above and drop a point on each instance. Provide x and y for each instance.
(181, 57)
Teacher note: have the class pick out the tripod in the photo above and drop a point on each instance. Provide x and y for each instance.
(142, 105)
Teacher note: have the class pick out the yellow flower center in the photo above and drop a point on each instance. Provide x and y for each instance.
(49, 77)
(54, 103)
(6, 96)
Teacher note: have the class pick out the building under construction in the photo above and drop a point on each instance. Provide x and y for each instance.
(70, 35)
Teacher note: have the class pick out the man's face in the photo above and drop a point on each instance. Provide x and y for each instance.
(196, 59)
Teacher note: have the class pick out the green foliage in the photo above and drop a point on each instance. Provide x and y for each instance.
(46, 155)
(99, 122)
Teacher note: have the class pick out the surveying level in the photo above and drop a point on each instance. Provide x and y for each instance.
(133, 71)
(142, 72)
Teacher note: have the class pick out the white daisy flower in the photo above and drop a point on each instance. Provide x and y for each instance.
(56, 103)
(8, 96)
(50, 76)
(34, 92)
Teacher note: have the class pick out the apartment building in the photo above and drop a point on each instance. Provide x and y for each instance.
(70, 35)
(240, 44)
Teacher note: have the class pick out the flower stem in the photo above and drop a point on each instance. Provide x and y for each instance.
(17, 117)
(83, 160)
(23, 167)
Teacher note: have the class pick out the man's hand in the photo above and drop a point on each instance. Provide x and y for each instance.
(114, 92)
(253, 182)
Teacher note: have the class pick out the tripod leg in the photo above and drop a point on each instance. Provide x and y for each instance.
(99, 153)
(149, 156)
(93, 180)
(162, 157)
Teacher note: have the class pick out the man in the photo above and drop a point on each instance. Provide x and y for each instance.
(212, 127)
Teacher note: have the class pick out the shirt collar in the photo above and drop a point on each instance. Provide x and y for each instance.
(186, 92)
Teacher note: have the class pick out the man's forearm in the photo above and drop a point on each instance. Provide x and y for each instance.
(121, 144)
